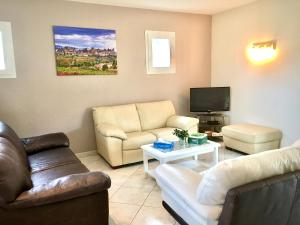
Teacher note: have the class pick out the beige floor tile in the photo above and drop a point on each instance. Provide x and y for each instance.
(117, 178)
(156, 187)
(97, 165)
(90, 158)
(122, 214)
(86, 154)
(129, 195)
(154, 199)
(128, 169)
(232, 155)
(152, 216)
(152, 165)
(113, 190)
(111, 221)
(140, 181)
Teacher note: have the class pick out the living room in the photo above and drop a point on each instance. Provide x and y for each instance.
(211, 42)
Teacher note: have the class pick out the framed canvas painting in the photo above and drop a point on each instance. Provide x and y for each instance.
(85, 51)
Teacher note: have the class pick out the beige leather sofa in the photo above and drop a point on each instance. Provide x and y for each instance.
(121, 130)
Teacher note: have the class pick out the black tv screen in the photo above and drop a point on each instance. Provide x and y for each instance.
(213, 99)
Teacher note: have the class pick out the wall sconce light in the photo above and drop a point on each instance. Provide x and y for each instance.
(262, 52)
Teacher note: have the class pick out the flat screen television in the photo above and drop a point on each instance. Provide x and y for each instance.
(212, 99)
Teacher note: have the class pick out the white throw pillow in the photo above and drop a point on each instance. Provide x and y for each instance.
(228, 174)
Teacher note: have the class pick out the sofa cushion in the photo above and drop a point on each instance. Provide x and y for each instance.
(136, 139)
(251, 133)
(122, 116)
(154, 115)
(182, 122)
(14, 176)
(45, 176)
(8, 133)
(228, 174)
(36, 144)
(182, 183)
(165, 133)
(51, 158)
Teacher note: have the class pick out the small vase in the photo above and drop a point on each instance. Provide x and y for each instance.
(182, 141)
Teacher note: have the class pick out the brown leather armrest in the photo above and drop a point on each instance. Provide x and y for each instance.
(268, 201)
(39, 143)
(64, 188)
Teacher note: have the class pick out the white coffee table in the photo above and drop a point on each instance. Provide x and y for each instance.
(179, 152)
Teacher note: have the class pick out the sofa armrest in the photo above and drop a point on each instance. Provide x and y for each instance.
(109, 130)
(63, 188)
(182, 122)
(267, 201)
(39, 143)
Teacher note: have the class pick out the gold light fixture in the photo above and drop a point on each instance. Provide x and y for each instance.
(262, 52)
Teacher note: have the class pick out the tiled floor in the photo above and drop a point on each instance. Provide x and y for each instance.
(135, 198)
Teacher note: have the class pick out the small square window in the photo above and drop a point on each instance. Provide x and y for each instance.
(2, 63)
(160, 52)
(7, 59)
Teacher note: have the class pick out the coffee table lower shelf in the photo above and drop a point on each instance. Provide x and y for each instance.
(186, 152)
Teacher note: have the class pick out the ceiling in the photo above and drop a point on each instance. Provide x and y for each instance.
(189, 6)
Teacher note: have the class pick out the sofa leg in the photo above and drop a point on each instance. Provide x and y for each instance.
(174, 214)
(234, 150)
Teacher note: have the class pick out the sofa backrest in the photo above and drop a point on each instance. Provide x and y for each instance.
(273, 201)
(218, 180)
(154, 115)
(8, 133)
(123, 116)
(14, 176)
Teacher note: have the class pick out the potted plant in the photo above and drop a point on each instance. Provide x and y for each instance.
(182, 135)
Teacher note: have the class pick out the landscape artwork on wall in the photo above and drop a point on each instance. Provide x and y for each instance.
(85, 51)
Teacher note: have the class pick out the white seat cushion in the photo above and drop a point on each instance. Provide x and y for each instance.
(164, 133)
(136, 139)
(218, 180)
(251, 133)
(182, 183)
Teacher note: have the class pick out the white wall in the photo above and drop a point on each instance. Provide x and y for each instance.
(267, 94)
(38, 101)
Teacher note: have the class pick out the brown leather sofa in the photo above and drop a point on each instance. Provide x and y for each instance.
(43, 182)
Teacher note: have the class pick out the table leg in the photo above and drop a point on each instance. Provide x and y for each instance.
(216, 155)
(145, 159)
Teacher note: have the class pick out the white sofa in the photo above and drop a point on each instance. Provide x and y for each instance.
(121, 130)
(198, 198)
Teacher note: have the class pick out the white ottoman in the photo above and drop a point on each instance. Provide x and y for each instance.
(251, 138)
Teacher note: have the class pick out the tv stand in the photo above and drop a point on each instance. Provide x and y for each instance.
(210, 114)
(212, 123)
